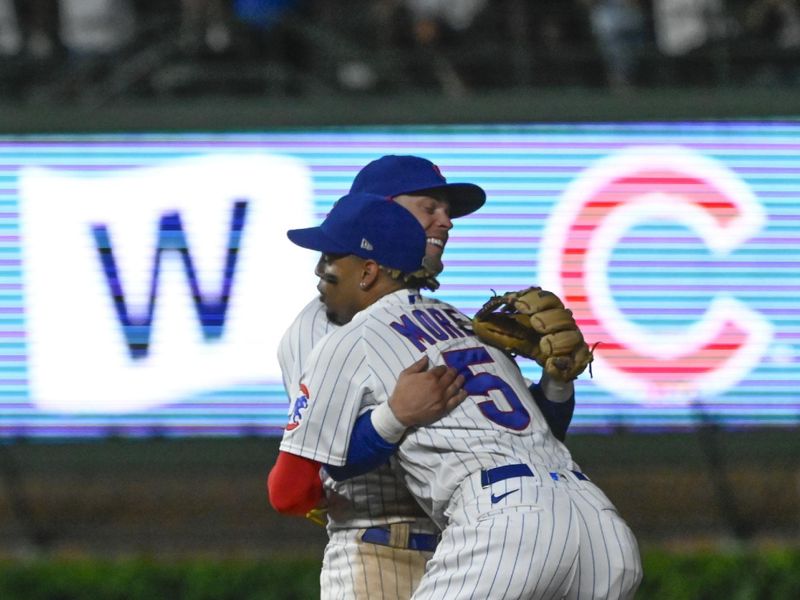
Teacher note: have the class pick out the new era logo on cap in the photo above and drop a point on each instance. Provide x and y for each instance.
(368, 226)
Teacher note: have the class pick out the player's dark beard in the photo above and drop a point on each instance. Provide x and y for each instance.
(334, 318)
(331, 316)
(432, 264)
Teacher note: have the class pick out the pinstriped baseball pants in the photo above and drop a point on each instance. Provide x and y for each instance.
(355, 570)
(539, 539)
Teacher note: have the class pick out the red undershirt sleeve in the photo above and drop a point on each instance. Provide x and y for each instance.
(294, 485)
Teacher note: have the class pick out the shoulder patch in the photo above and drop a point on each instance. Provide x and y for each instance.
(299, 406)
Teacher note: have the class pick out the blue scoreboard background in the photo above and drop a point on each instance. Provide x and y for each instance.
(145, 279)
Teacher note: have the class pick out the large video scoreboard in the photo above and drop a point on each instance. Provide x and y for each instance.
(145, 280)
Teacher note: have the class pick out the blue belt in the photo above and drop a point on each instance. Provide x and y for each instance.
(490, 476)
(416, 541)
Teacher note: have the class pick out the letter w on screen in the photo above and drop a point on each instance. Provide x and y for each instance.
(149, 285)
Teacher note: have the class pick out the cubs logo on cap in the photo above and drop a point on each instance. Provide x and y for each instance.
(393, 175)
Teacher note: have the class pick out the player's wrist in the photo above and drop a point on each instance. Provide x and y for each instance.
(556, 391)
(387, 424)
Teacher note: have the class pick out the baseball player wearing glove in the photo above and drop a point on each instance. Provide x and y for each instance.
(518, 517)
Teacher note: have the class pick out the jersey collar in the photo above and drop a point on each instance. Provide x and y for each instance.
(407, 297)
(403, 297)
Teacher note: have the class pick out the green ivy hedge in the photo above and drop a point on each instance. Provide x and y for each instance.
(148, 580)
(746, 575)
(768, 575)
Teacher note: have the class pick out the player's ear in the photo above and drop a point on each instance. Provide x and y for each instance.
(369, 274)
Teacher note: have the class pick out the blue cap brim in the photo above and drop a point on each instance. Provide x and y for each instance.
(314, 238)
(464, 198)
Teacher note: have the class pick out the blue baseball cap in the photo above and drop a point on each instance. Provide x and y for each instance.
(369, 226)
(393, 175)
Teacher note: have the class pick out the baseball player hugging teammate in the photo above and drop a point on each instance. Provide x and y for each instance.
(375, 435)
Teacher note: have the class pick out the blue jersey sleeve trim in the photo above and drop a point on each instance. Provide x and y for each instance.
(557, 414)
(367, 451)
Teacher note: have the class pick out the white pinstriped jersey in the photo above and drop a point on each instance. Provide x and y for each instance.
(356, 367)
(309, 327)
(377, 498)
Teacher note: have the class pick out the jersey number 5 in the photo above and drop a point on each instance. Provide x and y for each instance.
(480, 384)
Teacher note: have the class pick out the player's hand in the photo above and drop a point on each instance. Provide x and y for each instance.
(423, 396)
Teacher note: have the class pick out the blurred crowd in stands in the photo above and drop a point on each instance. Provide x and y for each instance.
(109, 49)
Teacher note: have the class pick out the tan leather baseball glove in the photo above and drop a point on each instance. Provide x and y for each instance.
(534, 323)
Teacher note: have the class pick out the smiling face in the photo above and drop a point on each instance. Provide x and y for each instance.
(339, 286)
(434, 215)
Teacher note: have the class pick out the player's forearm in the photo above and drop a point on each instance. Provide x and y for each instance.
(294, 485)
(556, 401)
(368, 447)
